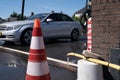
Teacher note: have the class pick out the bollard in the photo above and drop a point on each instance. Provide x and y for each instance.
(89, 71)
(89, 35)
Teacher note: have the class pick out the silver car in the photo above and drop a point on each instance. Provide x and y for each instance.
(54, 25)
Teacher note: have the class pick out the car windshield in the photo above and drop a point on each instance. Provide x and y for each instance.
(40, 16)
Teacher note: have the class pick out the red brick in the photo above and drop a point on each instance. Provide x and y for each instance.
(106, 46)
(105, 26)
(96, 45)
(112, 18)
(101, 51)
(111, 40)
(110, 1)
(98, 39)
(117, 0)
(98, 7)
(103, 1)
(115, 12)
(114, 23)
(94, 2)
(113, 6)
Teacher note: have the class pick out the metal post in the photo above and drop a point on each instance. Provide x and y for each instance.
(22, 11)
(86, 3)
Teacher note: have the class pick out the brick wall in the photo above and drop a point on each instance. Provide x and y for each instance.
(106, 26)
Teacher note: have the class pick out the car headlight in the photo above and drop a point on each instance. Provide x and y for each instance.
(9, 28)
(16, 27)
(13, 27)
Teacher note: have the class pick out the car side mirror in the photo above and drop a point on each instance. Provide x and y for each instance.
(49, 20)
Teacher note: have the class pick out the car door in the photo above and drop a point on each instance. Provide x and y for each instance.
(66, 25)
(52, 28)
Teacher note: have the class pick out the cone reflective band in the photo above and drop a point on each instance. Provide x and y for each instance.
(37, 68)
(89, 35)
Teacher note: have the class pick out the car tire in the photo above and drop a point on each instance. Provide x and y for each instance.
(75, 35)
(26, 35)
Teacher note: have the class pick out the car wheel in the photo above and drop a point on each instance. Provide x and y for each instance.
(26, 37)
(75, 35)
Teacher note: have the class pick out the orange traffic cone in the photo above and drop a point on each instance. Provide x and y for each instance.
(37, 68)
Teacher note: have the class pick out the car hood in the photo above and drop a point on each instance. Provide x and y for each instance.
(18, 22)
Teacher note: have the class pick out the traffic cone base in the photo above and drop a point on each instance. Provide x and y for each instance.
(44, 77)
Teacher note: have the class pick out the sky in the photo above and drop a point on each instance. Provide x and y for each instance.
(40, 6)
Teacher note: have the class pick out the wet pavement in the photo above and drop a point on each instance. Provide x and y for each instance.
(13, 65)
(55, 48)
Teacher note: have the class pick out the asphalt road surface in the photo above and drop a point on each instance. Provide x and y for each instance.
(56, 48)
(13, 66)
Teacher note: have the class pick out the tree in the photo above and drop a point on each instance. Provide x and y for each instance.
(14, 14)
(17, 16)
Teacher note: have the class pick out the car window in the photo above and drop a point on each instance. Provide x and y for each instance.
(65, 18)
(54, 17)
(40, 16)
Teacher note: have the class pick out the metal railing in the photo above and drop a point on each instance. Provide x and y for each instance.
(105, 63)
